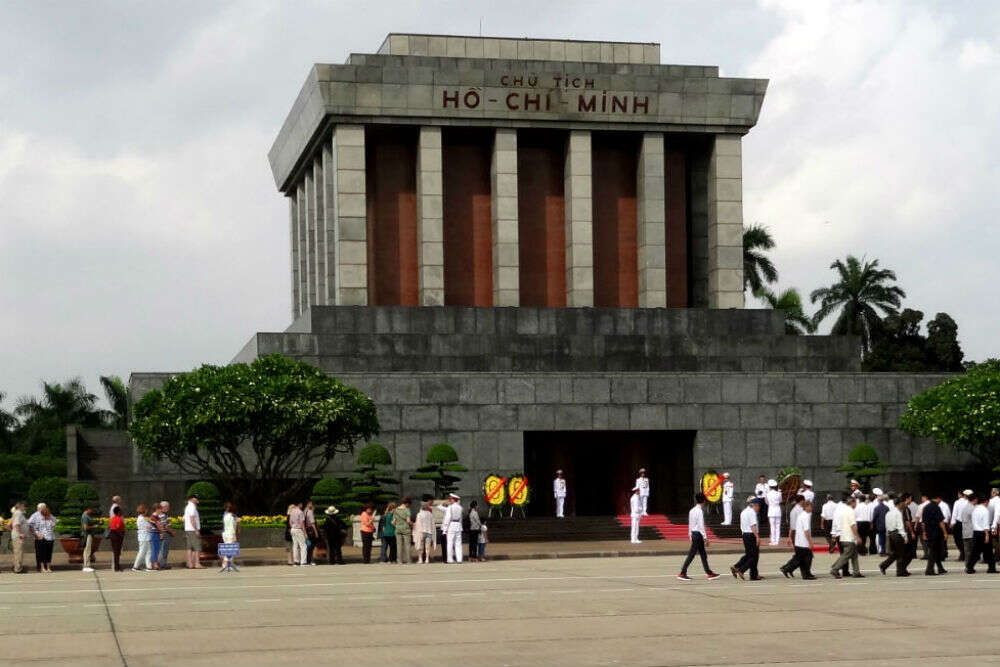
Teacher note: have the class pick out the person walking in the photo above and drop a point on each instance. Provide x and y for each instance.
(142, 531)
(966, 519)
(727, 500)
(403, 523)
(297, 526)
(995, 524)
(849, 538)
(426, 535)
(230, 533)
(166, 533)
(116, 501)
(826, 516)
(87, 528)
(475, 524)
(773, 499)
(635, 512)
(699, 540)
(803, 541)
(192, 533)
(452, 528)
(367, 532)
(896, 533)
(863, 516)
(980, 546)
(793, 563)
(956, 523)
(387, 533)
(751, 542)
(312, 531)
(934, 528)
(42, 526)
(642, 481)
(153, 555)
(334, 536)
(116, 533)
(878, 523)
(18, 533)
(559, 492)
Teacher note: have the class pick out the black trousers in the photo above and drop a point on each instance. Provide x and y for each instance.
(899, 553)
(751, 555)
(956, 532)
(697, 547)
(117, 538)
(310, 545)
(872, 539)
(43, 552)
(802, 559)
(831, 541)
(935, 554)
(473, 544)
(865, 533)
(366, 547)
(980, 547)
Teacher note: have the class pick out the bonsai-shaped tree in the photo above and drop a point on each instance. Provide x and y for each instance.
(369, 476)
(79, 497)
(442, 459)
(863, 464)
(332, 491)
(209, 505)
(48, 490)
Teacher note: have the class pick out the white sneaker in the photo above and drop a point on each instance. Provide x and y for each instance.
(88, 569)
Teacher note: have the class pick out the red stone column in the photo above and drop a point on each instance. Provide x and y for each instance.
(615, 158)
(468, 241)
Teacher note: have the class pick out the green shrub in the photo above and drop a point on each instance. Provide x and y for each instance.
(863, 464)
(17, 471)
(79, 496)
(366, 483)
(333, 491)
(442, 460)
(209, 505)
(48, 490)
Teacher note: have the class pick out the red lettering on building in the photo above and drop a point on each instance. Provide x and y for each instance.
(585, 104)
(636, 104)
(512, 105)
(449, 98)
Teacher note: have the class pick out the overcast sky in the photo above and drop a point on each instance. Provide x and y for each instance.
(140, 228)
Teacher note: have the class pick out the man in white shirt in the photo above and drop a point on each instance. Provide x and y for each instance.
(699, 540)
(803, 541)
(192, 532)
(18, 533)
(760, 491)
(453, 532)
(774, 512)
(826, 515)
(981, 546)
(898, 538)
(794, 562)
(863, 515)
(847, 527)
(751, 542)
(727, 500)
(635, 507)
(995, 521)
(642, 481)
(559, 491)
(946, 511)
(957, 517)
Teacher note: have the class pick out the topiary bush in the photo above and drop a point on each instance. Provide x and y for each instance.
(209, 505)
(442, 460)
(48, 490)
(862, 464)
(79, 496)
(368, 478)
(333, 491)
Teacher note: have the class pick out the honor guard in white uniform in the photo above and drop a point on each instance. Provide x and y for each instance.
(807, 491)
(559, 491)
(856, 489)
(635, 506)
(773, 498)
(826, 516)
(642, 481)
(452, 528)
(727, 500)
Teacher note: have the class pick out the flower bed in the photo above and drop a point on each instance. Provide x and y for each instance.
(248, 521)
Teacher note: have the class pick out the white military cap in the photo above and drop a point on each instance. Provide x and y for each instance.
(807, 482)
(751, 499)
(642, 470)
(967, 492)
(635, 488)
(877, 491)
(559, 472)
(771, 482)
(455, 496)
(725, 474)
(854, 481)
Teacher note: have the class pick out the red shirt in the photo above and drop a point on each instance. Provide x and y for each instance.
(117, 523)
(367, 522)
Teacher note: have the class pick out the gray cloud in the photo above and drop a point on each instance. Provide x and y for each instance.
(141, 229)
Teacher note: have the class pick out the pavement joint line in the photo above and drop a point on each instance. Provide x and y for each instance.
(111, 621)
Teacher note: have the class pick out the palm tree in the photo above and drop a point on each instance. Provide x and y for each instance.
(757, 268)
(64, 404)
(117, 394)
(790, 303)
(861, 291)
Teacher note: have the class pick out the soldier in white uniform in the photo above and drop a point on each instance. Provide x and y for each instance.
(635, 506)
(559, 491)
(727, 500)
(642, 481)
(807, 491)
(773, 498)
(451, 526)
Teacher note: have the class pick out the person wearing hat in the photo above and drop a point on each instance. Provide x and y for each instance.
(826, 516)
(751, 542)
(635, 510)
(855, 488)
(642, 481)
(806, 490)
(559, 491)
(773, 498)
(451, 526)
(699, 539)
(334, 536)
(961, 514)
(727, 500)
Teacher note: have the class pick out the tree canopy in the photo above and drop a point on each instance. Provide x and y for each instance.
(758, 269)
(442, 461)
(263, 429)
(963, 412)
(369, 476)
(863, 463)
(899, 345)
(789, 302)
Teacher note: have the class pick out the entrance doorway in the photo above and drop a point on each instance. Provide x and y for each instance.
(601, 467)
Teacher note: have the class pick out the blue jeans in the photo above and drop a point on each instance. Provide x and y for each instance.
(164, 550)
(154, 550)
(482, 549)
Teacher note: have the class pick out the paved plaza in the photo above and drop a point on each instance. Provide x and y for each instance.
(599, 611)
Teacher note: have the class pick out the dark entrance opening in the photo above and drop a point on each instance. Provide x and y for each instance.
(601, 467)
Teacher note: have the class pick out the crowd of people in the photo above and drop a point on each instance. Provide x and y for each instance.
(878, 523)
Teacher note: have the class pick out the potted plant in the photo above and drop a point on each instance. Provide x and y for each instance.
(79, 497)
(210, 513)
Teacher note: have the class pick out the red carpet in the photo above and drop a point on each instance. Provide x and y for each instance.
(666, 529)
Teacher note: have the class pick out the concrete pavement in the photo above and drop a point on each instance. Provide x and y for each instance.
(554, 612)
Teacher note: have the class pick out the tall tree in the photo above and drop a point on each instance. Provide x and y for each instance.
(942, 343)
(900, 346)
(8, 422)
(757, 267)
(45, 418)
(790, 303)
(117, 395)
(861, 290)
